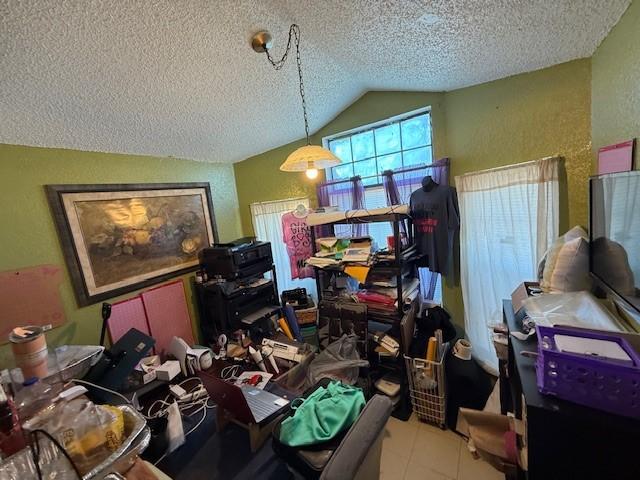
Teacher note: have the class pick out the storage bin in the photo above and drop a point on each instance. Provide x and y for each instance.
(310, 335)
(307, 316)
(606, 385)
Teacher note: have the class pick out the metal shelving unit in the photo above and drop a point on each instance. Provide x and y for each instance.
(402, 265)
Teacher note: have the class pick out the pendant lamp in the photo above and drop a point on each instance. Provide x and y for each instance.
(309, 158)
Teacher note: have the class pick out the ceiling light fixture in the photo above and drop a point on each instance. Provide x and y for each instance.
(309, 158)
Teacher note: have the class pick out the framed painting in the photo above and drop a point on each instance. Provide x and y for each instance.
(121, 237)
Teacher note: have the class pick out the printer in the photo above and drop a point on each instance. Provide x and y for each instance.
(228, 304)
(237, 294)
(241, 258)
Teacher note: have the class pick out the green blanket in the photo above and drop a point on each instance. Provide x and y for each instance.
(322, 415)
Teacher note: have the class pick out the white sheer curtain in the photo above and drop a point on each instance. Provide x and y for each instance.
(267, 225)
(509, 217)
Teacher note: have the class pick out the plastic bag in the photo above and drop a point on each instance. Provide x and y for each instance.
(576, 309)
(89, 433)
(339, 361)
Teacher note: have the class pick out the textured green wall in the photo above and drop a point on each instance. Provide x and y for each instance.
(259, 179)
(615, 94)
(521, 118)
(512, 120)
(28, 233)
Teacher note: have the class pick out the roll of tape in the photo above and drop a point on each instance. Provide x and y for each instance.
(206, 360)
(462, 349)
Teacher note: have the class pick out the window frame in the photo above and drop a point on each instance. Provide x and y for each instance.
(396, 119)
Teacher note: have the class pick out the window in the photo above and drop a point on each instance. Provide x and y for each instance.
(267, 224)
(388, 145)
(509, 217)
(398, 142)
(367, 151)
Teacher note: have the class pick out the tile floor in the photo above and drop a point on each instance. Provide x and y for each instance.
(414, 450)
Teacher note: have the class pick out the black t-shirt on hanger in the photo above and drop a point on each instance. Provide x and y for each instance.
(435, 213)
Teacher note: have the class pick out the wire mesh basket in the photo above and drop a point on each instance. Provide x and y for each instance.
(427, 387)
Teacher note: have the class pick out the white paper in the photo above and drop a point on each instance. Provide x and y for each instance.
(605, 349)
(175, 430)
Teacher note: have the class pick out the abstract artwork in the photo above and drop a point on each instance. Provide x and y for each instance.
(119, 238)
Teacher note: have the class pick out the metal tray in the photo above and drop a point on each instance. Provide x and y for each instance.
(66, 363)
(55, 467)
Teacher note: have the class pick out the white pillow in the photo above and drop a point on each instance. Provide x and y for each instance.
(571, 270)
(574, 233)
(549, 261)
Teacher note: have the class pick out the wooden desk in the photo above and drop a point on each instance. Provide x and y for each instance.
(565, 440)
(258, 432)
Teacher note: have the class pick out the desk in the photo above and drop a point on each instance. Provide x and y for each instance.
(564, 440)
(258, 432)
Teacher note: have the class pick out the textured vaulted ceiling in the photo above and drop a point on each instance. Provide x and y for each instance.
(177, 77)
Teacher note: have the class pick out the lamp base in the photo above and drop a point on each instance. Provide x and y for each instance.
(261, 42)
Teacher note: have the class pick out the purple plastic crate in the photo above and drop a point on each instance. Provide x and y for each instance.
(606, 385)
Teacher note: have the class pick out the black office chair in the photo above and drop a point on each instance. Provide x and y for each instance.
(355, 454)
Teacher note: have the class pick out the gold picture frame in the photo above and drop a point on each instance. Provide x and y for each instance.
(117, 238)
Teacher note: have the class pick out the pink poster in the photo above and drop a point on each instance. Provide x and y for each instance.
(167, 314)
(615, 158)
(126, 315)
(30, 296)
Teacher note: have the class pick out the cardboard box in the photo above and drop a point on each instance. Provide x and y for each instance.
(168, 370)
(145, 371)
(145, 377)
(521, 293)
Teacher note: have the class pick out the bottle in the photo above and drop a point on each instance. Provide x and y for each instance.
(11, 437)
(34, 396)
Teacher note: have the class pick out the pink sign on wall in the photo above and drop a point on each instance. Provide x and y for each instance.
(125, 315)
(30, 296)
(160, 312)
(615, 158)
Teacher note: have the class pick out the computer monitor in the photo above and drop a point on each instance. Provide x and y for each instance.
(614, 234)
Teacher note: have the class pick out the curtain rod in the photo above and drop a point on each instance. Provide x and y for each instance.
(404, 170)
(281, 200)
(505, 167)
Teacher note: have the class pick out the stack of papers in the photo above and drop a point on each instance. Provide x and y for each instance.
(322, 262)
(356, 254)
(384, 282)
(385, 256)
(326, 254)
(409, 286)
